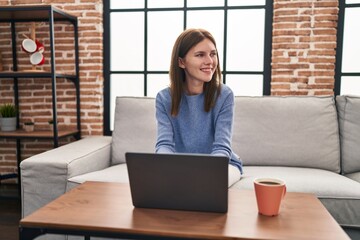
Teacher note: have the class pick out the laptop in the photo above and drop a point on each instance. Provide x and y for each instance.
(192, 182)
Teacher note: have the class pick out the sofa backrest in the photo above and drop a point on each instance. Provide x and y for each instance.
(274, 131)
(294, 131)
(349, 122)
(134, 127)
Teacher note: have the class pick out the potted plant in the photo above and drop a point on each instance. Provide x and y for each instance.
(29, 126)
(8, 113)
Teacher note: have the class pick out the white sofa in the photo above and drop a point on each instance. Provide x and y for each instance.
(313, 143)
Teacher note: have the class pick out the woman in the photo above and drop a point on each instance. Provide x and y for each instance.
(195, 114)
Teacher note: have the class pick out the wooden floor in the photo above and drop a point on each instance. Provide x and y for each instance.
(10, 212)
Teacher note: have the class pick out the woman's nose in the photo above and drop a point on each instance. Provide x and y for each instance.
(209, 59)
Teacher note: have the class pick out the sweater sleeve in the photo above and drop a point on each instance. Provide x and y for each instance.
(165, 133)
(223, 127)
(223, 132)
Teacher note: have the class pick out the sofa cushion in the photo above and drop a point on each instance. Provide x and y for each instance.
(349, 122)
(119, 173)
(339, 194)
(354, 176)
(134, 127)
(116, 173)
(287, 131)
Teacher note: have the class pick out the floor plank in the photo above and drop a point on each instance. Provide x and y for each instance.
(10, 212)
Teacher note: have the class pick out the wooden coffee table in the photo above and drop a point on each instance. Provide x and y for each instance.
(105, 209)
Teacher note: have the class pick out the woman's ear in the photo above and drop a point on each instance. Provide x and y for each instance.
(181, 63)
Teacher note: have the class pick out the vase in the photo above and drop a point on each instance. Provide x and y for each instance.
(8, 124)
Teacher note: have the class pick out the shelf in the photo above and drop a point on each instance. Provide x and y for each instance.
(34, 74)
(49, 14)
(38, 13)
(13, 15)
(40, 134)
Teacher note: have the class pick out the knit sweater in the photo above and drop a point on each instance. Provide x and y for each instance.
(193, 130)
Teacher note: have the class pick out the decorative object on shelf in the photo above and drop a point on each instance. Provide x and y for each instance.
(37, 58)
(33, 47)
(29, 126)
(8, 113)
(28, 45)
(51, 124)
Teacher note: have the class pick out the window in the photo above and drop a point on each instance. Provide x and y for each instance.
(139, 35)
(347, 77)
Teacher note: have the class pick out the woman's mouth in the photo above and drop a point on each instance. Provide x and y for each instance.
(206, 69)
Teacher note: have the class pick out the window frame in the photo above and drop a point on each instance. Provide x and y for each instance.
(266, 73)
(339, 47)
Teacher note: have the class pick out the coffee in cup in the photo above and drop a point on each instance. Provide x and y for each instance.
(269, 194)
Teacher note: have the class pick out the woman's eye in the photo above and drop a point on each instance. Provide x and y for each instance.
(205, 54)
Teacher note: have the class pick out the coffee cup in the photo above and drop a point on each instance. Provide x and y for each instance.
(39, 46)
(28, 45)
(37, 58)
(269, 194)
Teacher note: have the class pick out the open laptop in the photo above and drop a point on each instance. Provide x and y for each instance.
(194, 182)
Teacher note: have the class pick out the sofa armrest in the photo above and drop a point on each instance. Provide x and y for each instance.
(44, 176)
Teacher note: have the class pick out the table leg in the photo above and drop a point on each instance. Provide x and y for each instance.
(29, 233)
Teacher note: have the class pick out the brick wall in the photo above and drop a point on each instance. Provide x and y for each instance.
(304, 42)
(35, 102)
(303, 63)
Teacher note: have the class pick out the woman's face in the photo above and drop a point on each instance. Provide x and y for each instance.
(199, 63)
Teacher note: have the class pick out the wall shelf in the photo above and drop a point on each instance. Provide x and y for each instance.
(37, 74)
(20, 133)
(28, 13)
(51, 15)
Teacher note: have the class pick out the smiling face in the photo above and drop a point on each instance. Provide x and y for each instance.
(199, 65)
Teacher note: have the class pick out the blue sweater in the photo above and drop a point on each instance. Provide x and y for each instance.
(193, 130)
